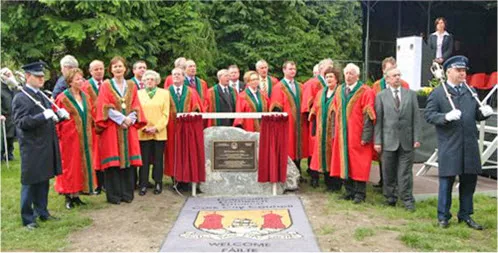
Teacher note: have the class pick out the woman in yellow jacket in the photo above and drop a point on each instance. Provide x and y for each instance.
(155, 104)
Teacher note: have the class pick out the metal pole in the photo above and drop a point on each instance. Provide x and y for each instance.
(5, 142)
(399, 19)
(428, 21)
(367, 42)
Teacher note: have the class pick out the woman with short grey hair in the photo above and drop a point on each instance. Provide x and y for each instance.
(155, 104)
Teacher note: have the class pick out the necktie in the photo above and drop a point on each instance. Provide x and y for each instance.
(293, 87)
(99, 84)
(396, 98)
(141, 85)
(263, 85)
(347, 91)
(178, 94)
(192, 83)
(458, 89)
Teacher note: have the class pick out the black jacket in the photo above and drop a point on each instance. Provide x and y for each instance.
(38, 143)
(7, 97)
(447, 49)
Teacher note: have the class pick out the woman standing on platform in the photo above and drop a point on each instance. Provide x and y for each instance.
(75, 141)
(120, 116)
(441, 41)
(322, 151)
(251, 100)
(155, 103)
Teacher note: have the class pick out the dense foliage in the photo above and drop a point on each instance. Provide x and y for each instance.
(213, 33)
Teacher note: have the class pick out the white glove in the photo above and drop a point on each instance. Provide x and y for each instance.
(63, 114)
(133, 117)
(49, 114)
(486, 110)
(454, 114)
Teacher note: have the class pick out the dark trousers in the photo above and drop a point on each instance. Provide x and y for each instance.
(100, 178)
(10, 148)
(119, 184)
(151, 149)
(398, 176)
(332, 183)
(356, 189)
(34, 200)
(466, 196)
(298, 165)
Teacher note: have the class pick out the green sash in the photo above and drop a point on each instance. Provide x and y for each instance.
(344, 106)
(83, 115)
(257, 104)
(125, 131)
(297, 103)
(94, 86)
(198, 86)
(179, 104)
(325, 104)
(382, 83)
(322, 81)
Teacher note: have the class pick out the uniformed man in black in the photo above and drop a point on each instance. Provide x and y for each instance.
(458, 150)
(39, 146)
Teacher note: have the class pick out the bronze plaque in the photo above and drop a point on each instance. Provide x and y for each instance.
(234, 156)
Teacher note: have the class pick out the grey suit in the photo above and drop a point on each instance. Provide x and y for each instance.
(396, 130)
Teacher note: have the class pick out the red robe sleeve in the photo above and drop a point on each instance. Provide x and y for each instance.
(168, 81)
(277, 100)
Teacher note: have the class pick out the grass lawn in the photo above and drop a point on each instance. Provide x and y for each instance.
(417, 230)
(51, 236)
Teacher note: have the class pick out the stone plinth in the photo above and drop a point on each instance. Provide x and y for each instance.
(239, 183)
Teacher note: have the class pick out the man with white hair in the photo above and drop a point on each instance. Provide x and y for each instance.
(352, 149)
(92, 87)
(9, 83)
(182, 99)
(67, 62)
(222, 98)
(266, 82)
(179, 63)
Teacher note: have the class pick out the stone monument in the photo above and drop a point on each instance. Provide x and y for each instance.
(231, 164)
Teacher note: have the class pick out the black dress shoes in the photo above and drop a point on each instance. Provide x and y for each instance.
(390, 202)
(150, 185)
(143, 191)
(314, 182)
(358, 200)
(49, 218)
(443, 223)
(346, 197)
(78, 201)
(471, 223)
(31, 226)
(158, 188)
(69, 203)
(98, 190)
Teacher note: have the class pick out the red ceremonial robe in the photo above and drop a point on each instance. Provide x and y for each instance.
(75, 143)
(272, 81)
(349, 158)
(201, 88)
(323, 113)
(90, 88)
(213, 98)
(283, 98)
(310, 89)
(188, 102)
(119, 147)
(168, 81)
(247, 103)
